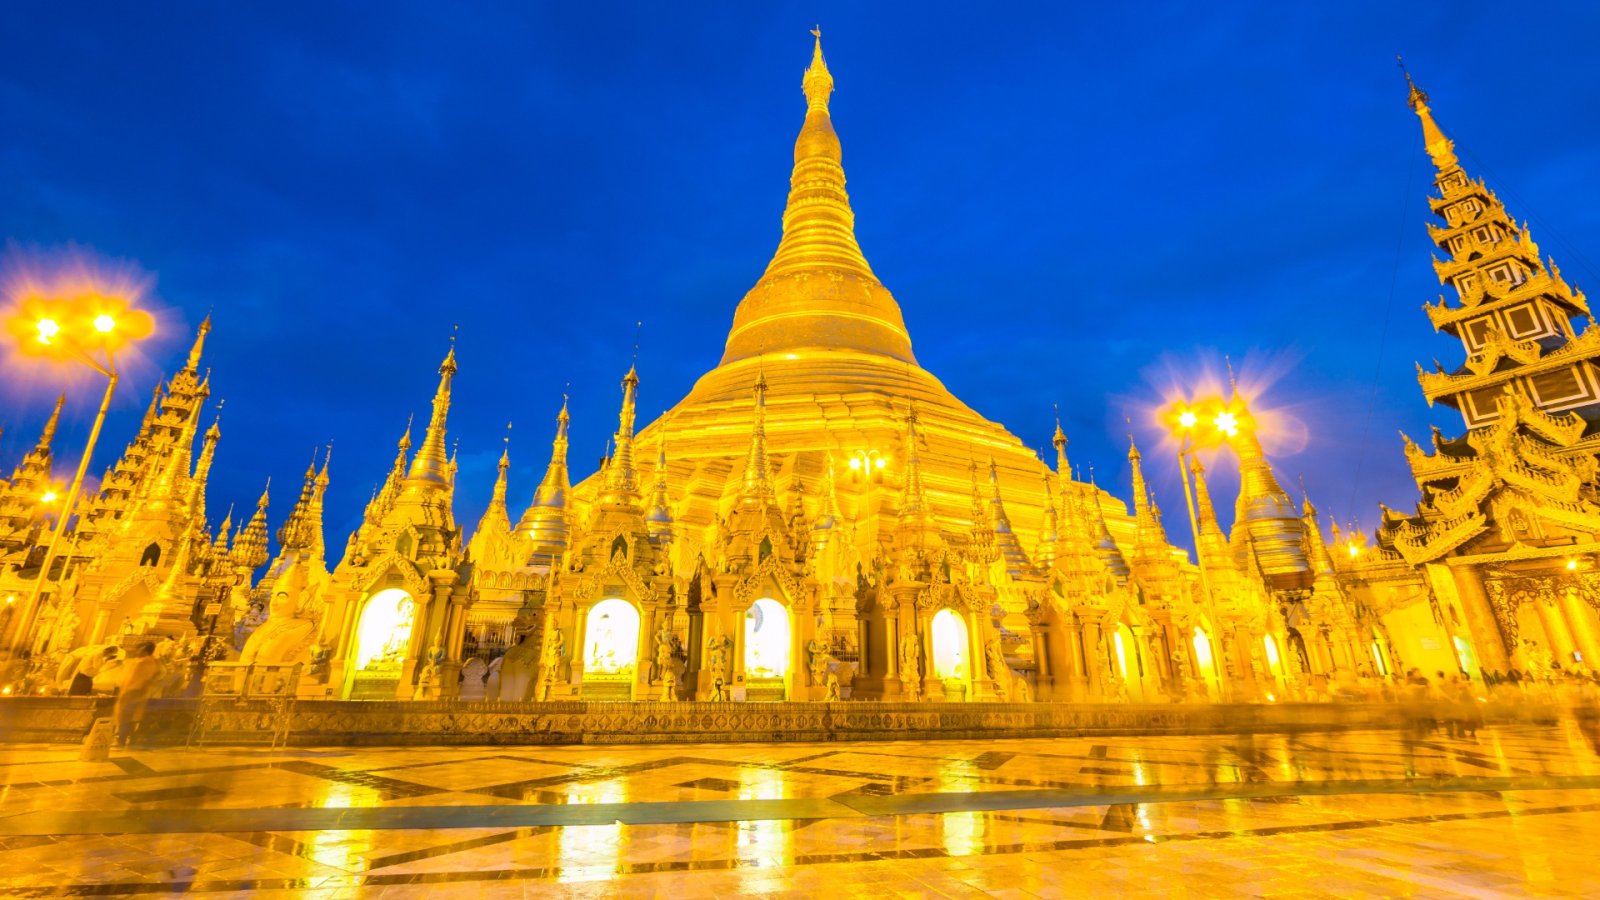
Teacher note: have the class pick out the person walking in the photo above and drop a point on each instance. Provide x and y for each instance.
(79, 668)
(139, 680)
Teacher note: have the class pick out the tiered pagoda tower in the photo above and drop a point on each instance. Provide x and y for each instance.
(1502, 543)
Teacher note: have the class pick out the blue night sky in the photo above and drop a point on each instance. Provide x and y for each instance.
(1073, 205)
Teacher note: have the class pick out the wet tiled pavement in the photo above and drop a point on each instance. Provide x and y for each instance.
(1511, 813)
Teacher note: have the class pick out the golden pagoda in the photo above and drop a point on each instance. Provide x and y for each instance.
(819, 519)
(1496, 568)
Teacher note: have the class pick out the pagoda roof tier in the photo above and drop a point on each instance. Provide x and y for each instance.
(1484, 369)
(1486, 296)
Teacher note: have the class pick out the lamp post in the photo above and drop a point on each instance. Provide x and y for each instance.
(92, 323)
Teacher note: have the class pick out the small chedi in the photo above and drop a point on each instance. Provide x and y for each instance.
(820, 519)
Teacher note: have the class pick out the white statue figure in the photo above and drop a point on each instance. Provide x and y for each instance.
(911, 666)
(516, 671)
(555, 651)
(833, 687)
(669, 685)
(663, 660)
(428, 682)
(286, 636)
(999, 671)
(719, 653)
(817, 659)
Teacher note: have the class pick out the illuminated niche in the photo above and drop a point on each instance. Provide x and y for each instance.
(611, 638)
(949, 645)
(766, 639)
(385, 629)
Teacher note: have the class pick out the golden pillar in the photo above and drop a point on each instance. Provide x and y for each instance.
(1487, 640)
(1583, 624)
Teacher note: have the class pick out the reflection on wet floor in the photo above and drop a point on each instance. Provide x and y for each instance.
(1509, 813)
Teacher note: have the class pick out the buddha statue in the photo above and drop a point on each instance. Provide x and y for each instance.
(286, 636)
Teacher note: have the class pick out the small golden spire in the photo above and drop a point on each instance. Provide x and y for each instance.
(430, 464)
(818, 290)
(199, 343)
(1440, 148)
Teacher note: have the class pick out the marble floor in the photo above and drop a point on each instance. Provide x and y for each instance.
(1511, 812)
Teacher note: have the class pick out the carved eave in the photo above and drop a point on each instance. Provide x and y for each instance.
(1442, 386)
(1429, 467)
(1455, 193)
(1487, 295)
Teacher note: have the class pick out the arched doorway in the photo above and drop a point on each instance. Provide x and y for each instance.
(1129, 666)
(1378, 656)
(610, 650)
(766, 650)
(1206, 662)
(950, 663)
(382, 638)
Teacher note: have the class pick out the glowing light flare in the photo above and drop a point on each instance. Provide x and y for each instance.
(1572, 565)
(104, 323)
(1187, 419)
(47, 497)
(1354, 548)
(855, 463)
(59, 303)
(881, 462)
(1226, 423)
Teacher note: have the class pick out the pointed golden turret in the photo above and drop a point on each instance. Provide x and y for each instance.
(1440, 148)
(497, 498)
(756, 488)
(430, 467)
(827, 521)
(295, 533)
(48, 435)
(917, 528)
(622, 482)
(195, 349)
(1149, 533)
(545, 523)
(250, 544)
(1266, 523)
(1005, 536)
(493, 545)
(1049, 530)
(985, 546)
(202, 470)
(219, 547)
(1105, 546)
(659, 517)
(818, 291)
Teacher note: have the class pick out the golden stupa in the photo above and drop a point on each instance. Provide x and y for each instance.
(832, 344)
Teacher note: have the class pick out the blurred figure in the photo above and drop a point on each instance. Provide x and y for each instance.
(139, 682)
(79, 668)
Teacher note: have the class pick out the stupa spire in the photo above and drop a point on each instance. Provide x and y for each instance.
(818, 292)
(1440, 148)
(545, 521)
(622, 482)
(757, 477)
(430, 464)
(48, 435)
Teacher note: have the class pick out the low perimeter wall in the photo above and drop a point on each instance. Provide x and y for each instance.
(386, 723)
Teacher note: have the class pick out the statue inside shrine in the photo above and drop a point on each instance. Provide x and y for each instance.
(818, 659)
(555, 651)
(911, 667)
(999, 671)
(517, 669)
(665, 650)
(719, 654)
(286, 636)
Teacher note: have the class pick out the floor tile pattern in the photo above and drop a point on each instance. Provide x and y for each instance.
(1509, 813)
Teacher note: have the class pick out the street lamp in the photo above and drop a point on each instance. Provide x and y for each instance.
(86, 328)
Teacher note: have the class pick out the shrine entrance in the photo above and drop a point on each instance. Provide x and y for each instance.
(950, 655)
(382, 639)
(767, 648)
(610, 650)
(1206, 663)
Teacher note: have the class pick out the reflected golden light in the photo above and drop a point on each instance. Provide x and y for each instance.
(1274, 663)
(1122, 655)
(962, 833)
